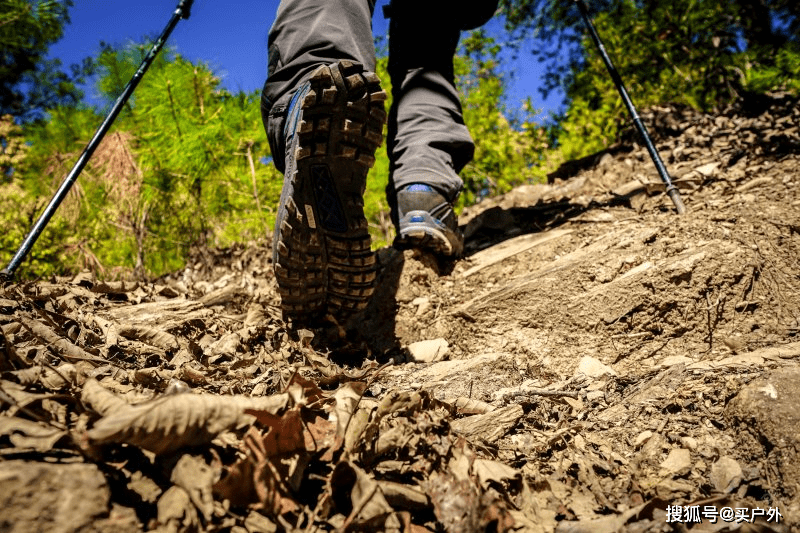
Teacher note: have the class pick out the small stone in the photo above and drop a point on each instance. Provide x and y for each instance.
(422, 304)
(690, 443)
(641, 438)
(420, 300)
(708, 170)
(734, 344)
(594, 395)
(726, 474)
(593, 368)
(678, 462)
(428, 351)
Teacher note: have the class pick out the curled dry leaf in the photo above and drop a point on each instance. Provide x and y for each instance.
(117, 288)
(347, 398)
(471, 406)
(169, 423)
(152, 336)
(402, 496)
(100, 399)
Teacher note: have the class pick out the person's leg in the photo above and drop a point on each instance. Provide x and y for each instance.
(428, 142)
(324, 117)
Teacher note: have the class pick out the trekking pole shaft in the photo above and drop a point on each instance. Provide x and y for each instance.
(181, 12)
(672, 191)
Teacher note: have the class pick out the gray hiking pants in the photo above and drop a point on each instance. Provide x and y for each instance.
(428, 141)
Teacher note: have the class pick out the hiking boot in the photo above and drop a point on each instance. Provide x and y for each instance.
(426, 220)
(321, 246)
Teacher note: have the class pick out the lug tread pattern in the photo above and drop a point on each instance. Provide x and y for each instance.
(323, 260)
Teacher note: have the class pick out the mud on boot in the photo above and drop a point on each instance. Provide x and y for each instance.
(321, 245)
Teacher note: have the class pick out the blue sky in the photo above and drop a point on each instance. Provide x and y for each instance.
(231, 37)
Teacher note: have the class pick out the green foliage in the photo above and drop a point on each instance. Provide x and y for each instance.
(376, 208)
(784, 74)
(12, 147)
(29, 82)
(199, 150)
(703, 28)
(704, 53)
(505, 156)
(182, 166)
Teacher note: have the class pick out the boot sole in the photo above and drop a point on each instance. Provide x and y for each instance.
(323, 260)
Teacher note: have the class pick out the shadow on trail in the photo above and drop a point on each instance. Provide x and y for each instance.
(498, 224)
(369, 334)
(373, 332)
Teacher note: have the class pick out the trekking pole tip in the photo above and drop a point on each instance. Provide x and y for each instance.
(5, 276)
(675, 196)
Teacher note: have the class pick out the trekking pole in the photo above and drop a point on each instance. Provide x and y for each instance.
(672, 191)
(181, 12)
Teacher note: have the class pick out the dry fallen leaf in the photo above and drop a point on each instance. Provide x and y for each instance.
(193, 475)
(168, 423)
(176, 512)
(490, 426)
(28, 434)
(359, 497)
(152, 336)
(62, 346)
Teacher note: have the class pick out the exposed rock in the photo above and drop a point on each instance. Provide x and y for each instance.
(726, 474)
(678, 462)
(428, 351)
(767, 411)
(593, 368)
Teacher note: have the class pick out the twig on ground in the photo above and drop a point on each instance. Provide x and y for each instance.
(540, 392)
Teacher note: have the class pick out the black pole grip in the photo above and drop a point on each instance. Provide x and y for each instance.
(672, 191)
(181, 12)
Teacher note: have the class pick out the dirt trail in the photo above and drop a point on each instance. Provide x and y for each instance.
(593, 363)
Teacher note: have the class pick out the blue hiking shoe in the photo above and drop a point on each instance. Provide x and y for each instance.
(321, 246)
(426, 220)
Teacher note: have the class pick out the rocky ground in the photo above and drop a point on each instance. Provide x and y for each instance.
(595, 363)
